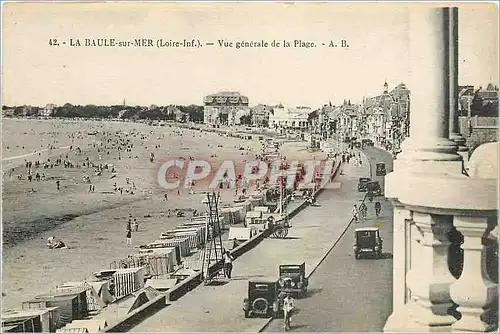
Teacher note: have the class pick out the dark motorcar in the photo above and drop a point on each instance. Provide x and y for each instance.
(374, 188)
(293, 278)
(367, 241)
(363, 181)
(381, 169)
(264, 299)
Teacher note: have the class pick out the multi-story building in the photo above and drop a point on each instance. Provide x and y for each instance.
(289, 118)
(47, 111)
(260, 115)
(387, 117)
(224, 108)
(346, 121)
(324, 120)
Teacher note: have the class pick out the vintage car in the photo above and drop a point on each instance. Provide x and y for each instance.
(362, 182)
(374, 188)
(380, 169)
(264, 299)
(293, 279)
(367, 241)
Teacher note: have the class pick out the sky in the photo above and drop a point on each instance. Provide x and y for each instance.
(35, 73)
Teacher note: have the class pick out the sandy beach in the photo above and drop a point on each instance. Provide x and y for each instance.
(93, 224)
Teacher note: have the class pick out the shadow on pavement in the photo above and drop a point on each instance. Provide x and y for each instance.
(374, 257)
(218, 283)
(312, 292)
(386, 256)
(297, 327)
(244, 278)
(286, 238)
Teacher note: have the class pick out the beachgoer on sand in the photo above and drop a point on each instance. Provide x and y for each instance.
(129, 237)
(136, 225)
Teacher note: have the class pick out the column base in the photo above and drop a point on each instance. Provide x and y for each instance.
(429, 167)
(401, 322)
(459, 139)
(434, 149)
(472, 325)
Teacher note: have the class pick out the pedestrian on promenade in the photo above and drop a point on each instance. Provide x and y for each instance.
(58, 184)
(355, 213)
(363, 210)
(288, 307)
(136, 225)
(370, 196)
(129, 237)
(378, 208)
(228, 264)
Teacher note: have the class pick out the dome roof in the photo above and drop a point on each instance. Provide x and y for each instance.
(484, 162)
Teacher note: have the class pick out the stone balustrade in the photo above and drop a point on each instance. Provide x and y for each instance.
(445, 264)
(446, 249)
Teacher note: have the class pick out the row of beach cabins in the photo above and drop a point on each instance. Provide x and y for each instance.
(154, 269)
(90, 305)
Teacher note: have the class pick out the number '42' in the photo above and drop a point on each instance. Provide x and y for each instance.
(53, 42)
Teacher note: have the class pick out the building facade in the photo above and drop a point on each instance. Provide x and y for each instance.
(224, 108)
(387, 117)
(289, 118)
(260, 115)
(47, 111)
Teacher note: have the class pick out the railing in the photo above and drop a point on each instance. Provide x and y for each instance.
(445, 252)
(453, 276)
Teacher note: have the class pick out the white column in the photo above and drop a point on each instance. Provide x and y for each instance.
(474, 292)
(429, 117)
(401, 250)
(431, 278)
(453, 63)
(400, 320)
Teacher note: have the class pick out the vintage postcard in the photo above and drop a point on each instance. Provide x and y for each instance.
(249, 167)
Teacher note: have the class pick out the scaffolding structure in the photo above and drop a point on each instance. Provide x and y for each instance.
(213, 251)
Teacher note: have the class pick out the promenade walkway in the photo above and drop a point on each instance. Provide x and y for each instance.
(315, 230)
(349, 295)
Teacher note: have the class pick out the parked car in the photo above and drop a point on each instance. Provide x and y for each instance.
(367, 241)
(374, 188)
(362, 182)
(264, 299)
(293, 279)
(380, 171)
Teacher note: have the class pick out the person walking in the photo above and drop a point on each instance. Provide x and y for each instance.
(363, 210)
(370, 196)
(129, 237)
(136, 225)
(355, 213)
(228, 264)
(378, 208)
(288, 307)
